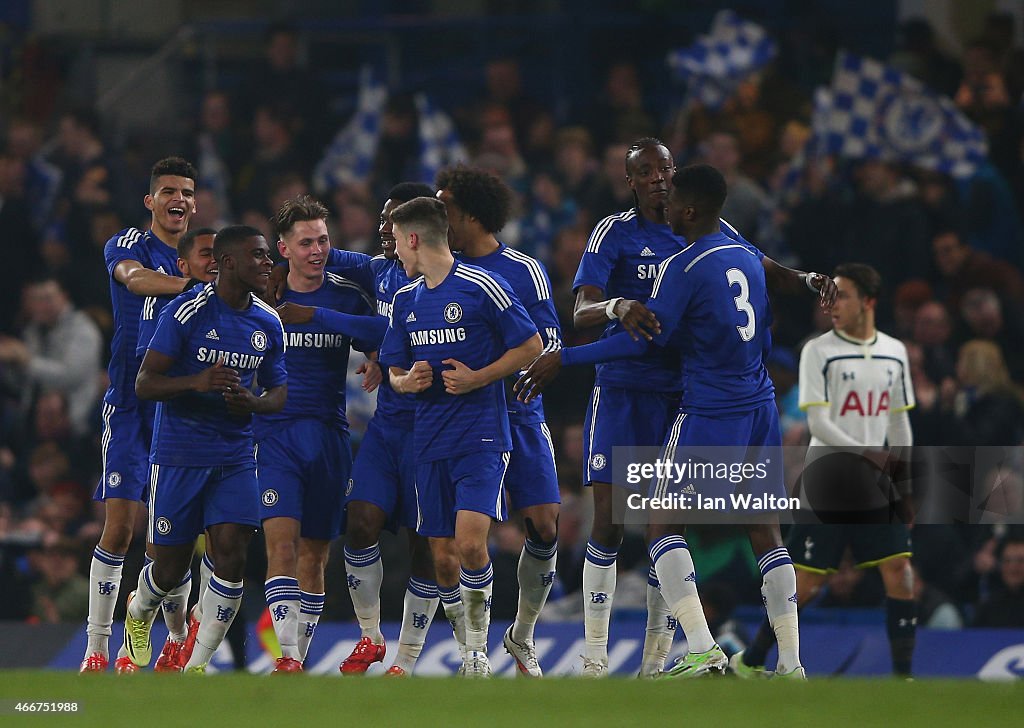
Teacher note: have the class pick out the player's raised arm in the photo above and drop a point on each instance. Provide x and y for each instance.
(791, 282)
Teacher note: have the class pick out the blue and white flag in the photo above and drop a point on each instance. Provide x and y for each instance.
(875, 111)
(439, 144)
(716, 64)
(350, 156)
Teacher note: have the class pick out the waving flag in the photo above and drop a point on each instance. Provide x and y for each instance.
(350, 155)
(439, 144)
(715, 65)
(875, 111)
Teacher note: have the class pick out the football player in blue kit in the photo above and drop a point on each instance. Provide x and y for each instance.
(456, 332)
(710, 305)
(383, 495)
(303, 452)
(478, 205)
(211, 347)
(140, 264)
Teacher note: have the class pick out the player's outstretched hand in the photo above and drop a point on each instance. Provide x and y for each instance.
(294, 313)
(460, 379)
(637, 319)
(240, 401)
(538, 375)
(217, 378)
(276, 285)
(827, 290)
(419, 378)
(372, 375)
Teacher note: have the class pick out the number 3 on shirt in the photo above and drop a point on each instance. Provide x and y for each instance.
(736, 278)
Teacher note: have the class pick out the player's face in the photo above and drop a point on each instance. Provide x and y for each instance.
(253, 263)
(386, 230)
(172, 202)
(850, 309)
(679, 213)
(457, 220)
(649, 173)
(306, 247)
(200, 263)
(405, 252)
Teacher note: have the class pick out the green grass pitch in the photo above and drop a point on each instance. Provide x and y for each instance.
(232, 700)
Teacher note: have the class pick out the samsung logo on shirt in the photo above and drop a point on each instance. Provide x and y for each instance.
(437, 336)
(317, 341)
(228, 358)
(384, 309)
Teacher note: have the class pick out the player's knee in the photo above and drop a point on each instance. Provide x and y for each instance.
(542, 529)
(282, 555)
(116, 537)
(472, 554)
(230, 565)
(898, 577)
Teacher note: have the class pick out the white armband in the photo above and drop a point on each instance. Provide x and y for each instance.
(807, 281)
(609, 308)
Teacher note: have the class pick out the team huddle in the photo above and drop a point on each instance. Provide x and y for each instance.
(226, 413)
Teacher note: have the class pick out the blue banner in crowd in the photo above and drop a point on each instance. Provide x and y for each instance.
(874, 111)
(853, 650)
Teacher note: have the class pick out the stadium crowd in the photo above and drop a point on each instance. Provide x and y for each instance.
(950, 253)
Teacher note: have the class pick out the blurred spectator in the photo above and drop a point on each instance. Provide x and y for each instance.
(746, 205)
(60, 594)
(988, 405)
(888, 227)
(42, 179)
(961, 267)
(932, 331)
(576, 166)
(548, 213)
(784, 369)
(1004, 608)
(294, 87)
(505, 89)
(982, 316)
(906, 300)
(217, 149)
(397, 157)
(274, 156)
(619, 115)
(62, 350)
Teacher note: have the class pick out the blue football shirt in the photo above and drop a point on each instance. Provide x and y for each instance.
(529, 281)
(392, 408)
(151, 252)
(474, 317)
(197, 329)
(622, 259)
(712, 301)
(317, 358)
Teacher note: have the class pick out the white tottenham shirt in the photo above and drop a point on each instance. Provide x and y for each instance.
(861, 382)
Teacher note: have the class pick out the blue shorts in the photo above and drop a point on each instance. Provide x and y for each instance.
(618, 417)
(726, 455)
(127, 436)
(302, 471)
(531, 479)
(473, 482)
(384, 474)
(184, 501)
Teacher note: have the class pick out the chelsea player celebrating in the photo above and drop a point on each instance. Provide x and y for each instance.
(478, 205)
(210, 347)
(304, 457)
(455, 333)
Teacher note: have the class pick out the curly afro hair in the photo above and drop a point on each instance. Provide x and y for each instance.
(479, 194)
